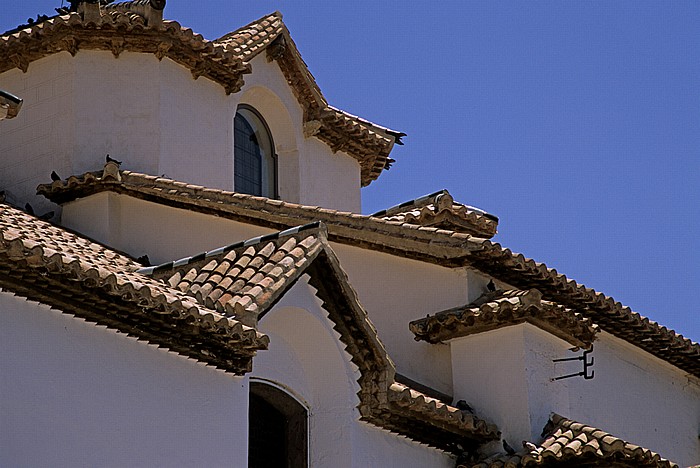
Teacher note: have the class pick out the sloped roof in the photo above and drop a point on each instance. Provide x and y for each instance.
(138, 26)
(245, 279)
(504, 308)
(440, 246)
(48, 264)
(368, 142)
(439, 210)
(569, 443)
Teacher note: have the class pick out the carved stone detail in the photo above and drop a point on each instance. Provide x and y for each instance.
(20, 61)
(312, 128)
(117, 47)
(69, 44)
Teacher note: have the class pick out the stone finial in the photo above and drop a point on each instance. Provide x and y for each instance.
(444, 201)
(90, 11)
(111, 172)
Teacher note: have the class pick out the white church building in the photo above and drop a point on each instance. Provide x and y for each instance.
(194, 285)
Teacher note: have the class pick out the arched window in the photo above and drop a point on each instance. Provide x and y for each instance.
(278, 433)
(255, 163)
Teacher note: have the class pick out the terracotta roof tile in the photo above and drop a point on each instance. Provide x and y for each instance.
(567, 441)
(504, 308)
(441, 211)
(244, 280)
(250, 39)
(442, 247)
(137, 27)
(103, 286)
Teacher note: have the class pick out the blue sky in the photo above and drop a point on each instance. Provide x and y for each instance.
(577, 123)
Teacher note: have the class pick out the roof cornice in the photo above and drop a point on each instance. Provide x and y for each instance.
(500, 309)
(47, 264)
(138, 27)
(246, 279)
(443, 247)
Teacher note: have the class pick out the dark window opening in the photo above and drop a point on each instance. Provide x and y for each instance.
(278, 429)
(255, 163)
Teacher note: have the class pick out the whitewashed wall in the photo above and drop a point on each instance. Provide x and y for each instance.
(42, 137)
(506, 375)
(75, 394)
(394, 290)
(307, 357)
(641, 398)
(157, 119)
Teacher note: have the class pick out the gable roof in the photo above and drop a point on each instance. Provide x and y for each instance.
(504, 308)
(138, 26)
(244, 280)
(439, 210)
(439, 246)
(48, 264)
(369, 143)
(569, 443)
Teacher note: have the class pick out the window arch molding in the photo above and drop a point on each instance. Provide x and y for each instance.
(255, 158)
(278, 426)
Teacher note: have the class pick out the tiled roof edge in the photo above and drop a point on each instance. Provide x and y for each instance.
(439, 246)
(408, 204)
(567, 441)
(504, 308)
(317, 225)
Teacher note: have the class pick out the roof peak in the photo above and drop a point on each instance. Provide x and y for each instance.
(318, 226)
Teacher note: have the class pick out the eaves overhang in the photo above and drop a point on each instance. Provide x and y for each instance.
(438, 246)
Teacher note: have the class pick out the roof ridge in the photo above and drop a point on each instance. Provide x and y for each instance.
(316, 225)
(440, 246)
(422, 201)
(415, 202)
(275, 14)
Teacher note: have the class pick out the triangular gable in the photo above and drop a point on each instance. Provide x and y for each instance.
(439, 210)
(48, 264)
(499, 309)
(246, 279)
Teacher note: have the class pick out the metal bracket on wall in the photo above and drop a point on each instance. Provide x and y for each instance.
(586, 365)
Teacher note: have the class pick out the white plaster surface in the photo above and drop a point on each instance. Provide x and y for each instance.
(640, 398)
(506, 374)
(75, 394)
(306, 355)
(157, 119)
(163, 233)
(396, 290)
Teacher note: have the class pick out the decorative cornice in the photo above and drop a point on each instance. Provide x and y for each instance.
(45, 263)
(441, 211)
(443, 247)
(505, 308)
(245, 280)
(138, 26)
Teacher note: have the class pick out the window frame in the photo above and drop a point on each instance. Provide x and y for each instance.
(272, 157)
(290, 396)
